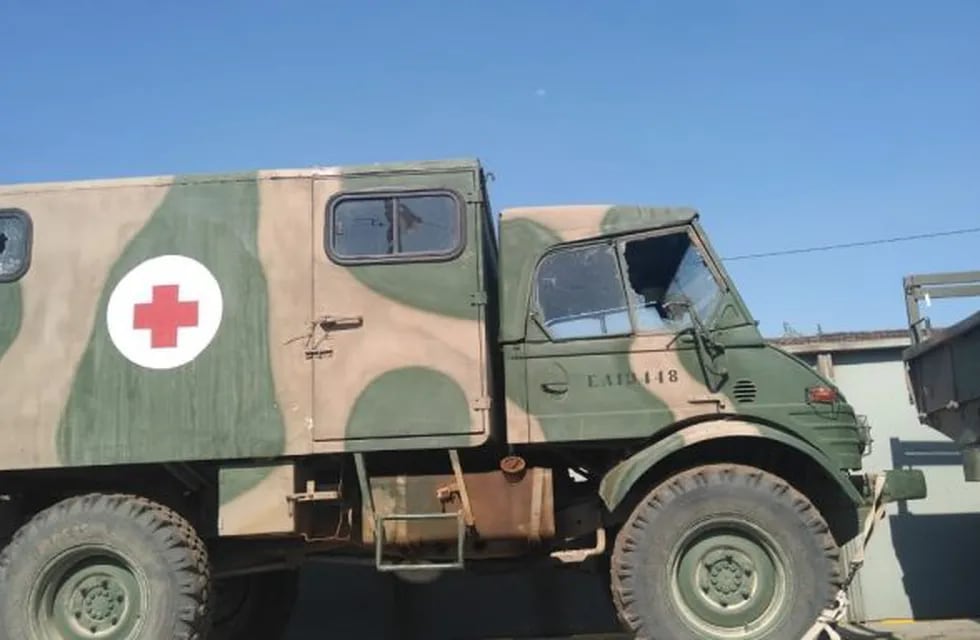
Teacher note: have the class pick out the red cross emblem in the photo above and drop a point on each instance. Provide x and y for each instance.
(164, 315)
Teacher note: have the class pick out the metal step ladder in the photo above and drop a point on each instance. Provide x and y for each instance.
(463, 517)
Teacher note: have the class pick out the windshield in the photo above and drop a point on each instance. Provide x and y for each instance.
(587, 291)
(665, 269)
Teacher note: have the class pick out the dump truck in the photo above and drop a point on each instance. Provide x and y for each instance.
(943, 363)
(210, 380)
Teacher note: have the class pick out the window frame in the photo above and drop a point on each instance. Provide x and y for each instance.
(537, 313)
(25, 218)
(395, 258)
(695, 241)
(618, 244)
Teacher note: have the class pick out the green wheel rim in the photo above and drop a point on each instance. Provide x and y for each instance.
(728, 579)
(88, 593)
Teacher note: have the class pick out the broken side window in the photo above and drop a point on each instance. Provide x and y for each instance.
(580, 294)
(665, 269)
(15, 244)
(378, 227)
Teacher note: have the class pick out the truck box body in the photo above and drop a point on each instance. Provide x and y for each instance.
(290, 353)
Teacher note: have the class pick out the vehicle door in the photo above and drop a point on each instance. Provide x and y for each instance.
(612, 352)
(398, 342)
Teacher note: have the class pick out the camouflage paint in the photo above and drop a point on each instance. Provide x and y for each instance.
(618, 481)
(522, 243)
(79, 230)
(11, 312)
(622, 383)
(624, 219)
(423, 337)
(411, 401)
(419, 333)
(220, 405)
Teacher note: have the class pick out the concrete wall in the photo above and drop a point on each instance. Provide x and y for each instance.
(924, 556)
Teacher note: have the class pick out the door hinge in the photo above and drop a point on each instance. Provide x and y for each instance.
(481, 404)
(478, 298)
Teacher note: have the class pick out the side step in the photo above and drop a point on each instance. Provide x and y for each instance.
(379, 541)
(463, 519)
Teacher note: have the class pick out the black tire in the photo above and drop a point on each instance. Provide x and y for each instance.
(86, 561)
(258, 605)
(723, 551)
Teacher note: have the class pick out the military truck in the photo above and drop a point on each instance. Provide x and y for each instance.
(209, 380)
(943, 364)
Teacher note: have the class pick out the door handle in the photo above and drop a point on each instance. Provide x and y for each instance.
(325, 324)
(555, 387)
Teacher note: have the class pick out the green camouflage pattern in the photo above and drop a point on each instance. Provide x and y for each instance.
(316, 356)
(631, 387)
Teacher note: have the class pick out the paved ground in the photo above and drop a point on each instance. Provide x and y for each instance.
(348, 603)
(924, 630)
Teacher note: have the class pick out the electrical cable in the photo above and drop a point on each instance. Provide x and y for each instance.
(848, 245)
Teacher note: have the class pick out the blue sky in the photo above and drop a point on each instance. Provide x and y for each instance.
(786, 124)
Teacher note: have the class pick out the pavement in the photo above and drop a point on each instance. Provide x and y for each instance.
(967, 629)
(348, 603)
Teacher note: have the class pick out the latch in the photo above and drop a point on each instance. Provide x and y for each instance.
(319, 332)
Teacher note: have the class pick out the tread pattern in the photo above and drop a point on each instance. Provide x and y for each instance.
(171, 533)
(621, 583)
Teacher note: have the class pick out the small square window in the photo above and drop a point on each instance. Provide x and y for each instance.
(15, 244)
(392, 226)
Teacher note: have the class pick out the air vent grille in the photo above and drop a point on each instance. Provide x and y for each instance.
(745, 391)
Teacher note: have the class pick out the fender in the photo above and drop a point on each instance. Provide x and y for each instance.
(621, 478)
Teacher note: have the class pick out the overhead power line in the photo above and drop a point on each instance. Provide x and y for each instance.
(848, 245)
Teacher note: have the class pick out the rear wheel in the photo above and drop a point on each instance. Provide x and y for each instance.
(257, 605)
(723, 552)
(111, 567)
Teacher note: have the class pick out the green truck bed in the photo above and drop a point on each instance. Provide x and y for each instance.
(944, 364)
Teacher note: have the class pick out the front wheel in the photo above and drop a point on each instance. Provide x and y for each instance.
(723, 552)
(111, 567)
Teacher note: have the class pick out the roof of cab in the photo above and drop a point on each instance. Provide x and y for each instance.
(580, 221)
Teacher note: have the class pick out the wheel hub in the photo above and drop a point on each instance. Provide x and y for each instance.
(728, 579)
(88, 594)
(98, 603)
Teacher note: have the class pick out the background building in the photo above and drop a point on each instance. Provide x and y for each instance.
(922, 560)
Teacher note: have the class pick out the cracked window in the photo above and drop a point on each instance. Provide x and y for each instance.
(15, 244)
(395, 226)
(580, 294)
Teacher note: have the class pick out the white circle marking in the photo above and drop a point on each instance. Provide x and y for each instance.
(164, 312)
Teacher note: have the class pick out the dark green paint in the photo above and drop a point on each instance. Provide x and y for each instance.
(522, 243)
(444, 286)
(222, 405)
(234, 481)
(618, 481)
(606, 397)
(904, 484)
(11, 315)
(623, 219)
(440, 288)
(408, 402)
(725, 575)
